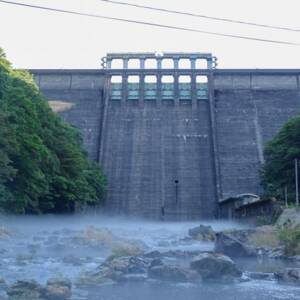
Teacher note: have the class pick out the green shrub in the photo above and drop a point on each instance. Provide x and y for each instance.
(280, 153)
(290, 238)
(265, 239)
(125, 249)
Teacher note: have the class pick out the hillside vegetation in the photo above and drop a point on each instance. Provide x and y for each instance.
(43, 168)
(280, 153)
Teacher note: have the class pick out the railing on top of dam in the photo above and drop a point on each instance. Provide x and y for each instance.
(158, 76)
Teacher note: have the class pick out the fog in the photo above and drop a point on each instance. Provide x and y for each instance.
(41, 247)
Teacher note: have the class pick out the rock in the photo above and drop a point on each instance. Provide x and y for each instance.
(2, 281)
(180, 253)
(117, 268)
(87, 279)
(130, 268)
(33, 248)
(25, 289)
(262, 241)
(137, 265)
(290, 217)
(295, 258)
(72, 260)
(277, 252)
(3, 284)
(156, 262)
(172, 273)
(164, 244)
(229, 245)
(3, 251)
(290, 275)
(58, 289)
(23, 259)
(134, 277)
(152, 254)
(38, 238)
(260, 275)
(213, 266)
(202, 233)
(4, 233)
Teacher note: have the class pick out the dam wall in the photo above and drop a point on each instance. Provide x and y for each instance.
(172, 156)
(250, 108)
(159, 158)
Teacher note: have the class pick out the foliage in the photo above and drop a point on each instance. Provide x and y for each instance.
(125, 249)
(289, 236)
(43, 168)
(265, 239)
(280, 153)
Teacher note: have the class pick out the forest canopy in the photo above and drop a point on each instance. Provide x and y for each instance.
(43, 167)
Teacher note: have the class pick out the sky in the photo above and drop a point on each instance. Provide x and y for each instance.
(35, 39)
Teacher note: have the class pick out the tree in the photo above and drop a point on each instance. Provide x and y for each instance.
(280, 153)
(43, 167)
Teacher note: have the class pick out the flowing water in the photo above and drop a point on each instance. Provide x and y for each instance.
(49, 246)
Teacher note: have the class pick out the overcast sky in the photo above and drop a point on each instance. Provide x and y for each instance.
(40, 39)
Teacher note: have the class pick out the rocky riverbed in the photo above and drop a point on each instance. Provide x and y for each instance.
(97, 257)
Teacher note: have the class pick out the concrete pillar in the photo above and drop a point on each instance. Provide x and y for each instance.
(209, 64)
(108, 64)
(159, 60)
(214, 62)
(142, 63)
(142, 88)
(124, 86)
(176, 63)
(193, 89)
(158, 88)
(176, 88)
(125, 63)
(193, 63)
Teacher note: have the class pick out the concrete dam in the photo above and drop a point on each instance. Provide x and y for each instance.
(173, 134)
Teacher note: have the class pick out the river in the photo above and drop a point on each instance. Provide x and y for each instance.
(49, 246)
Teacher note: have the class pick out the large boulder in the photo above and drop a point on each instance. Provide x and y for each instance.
(202, 233)
(118, 269)
(164, 272)
(232, 246)
(289, 275)
(25, 289)
(212, 266)
(58, 289)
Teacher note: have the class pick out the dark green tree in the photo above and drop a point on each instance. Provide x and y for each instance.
(43, 167)
(280, 153)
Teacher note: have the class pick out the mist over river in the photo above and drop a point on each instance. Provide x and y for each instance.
(43, 247)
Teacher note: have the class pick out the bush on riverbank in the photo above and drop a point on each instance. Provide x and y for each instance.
(43, 168)
(279, 169)
(289, 236)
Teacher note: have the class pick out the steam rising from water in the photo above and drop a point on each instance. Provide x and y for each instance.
(40, 247)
